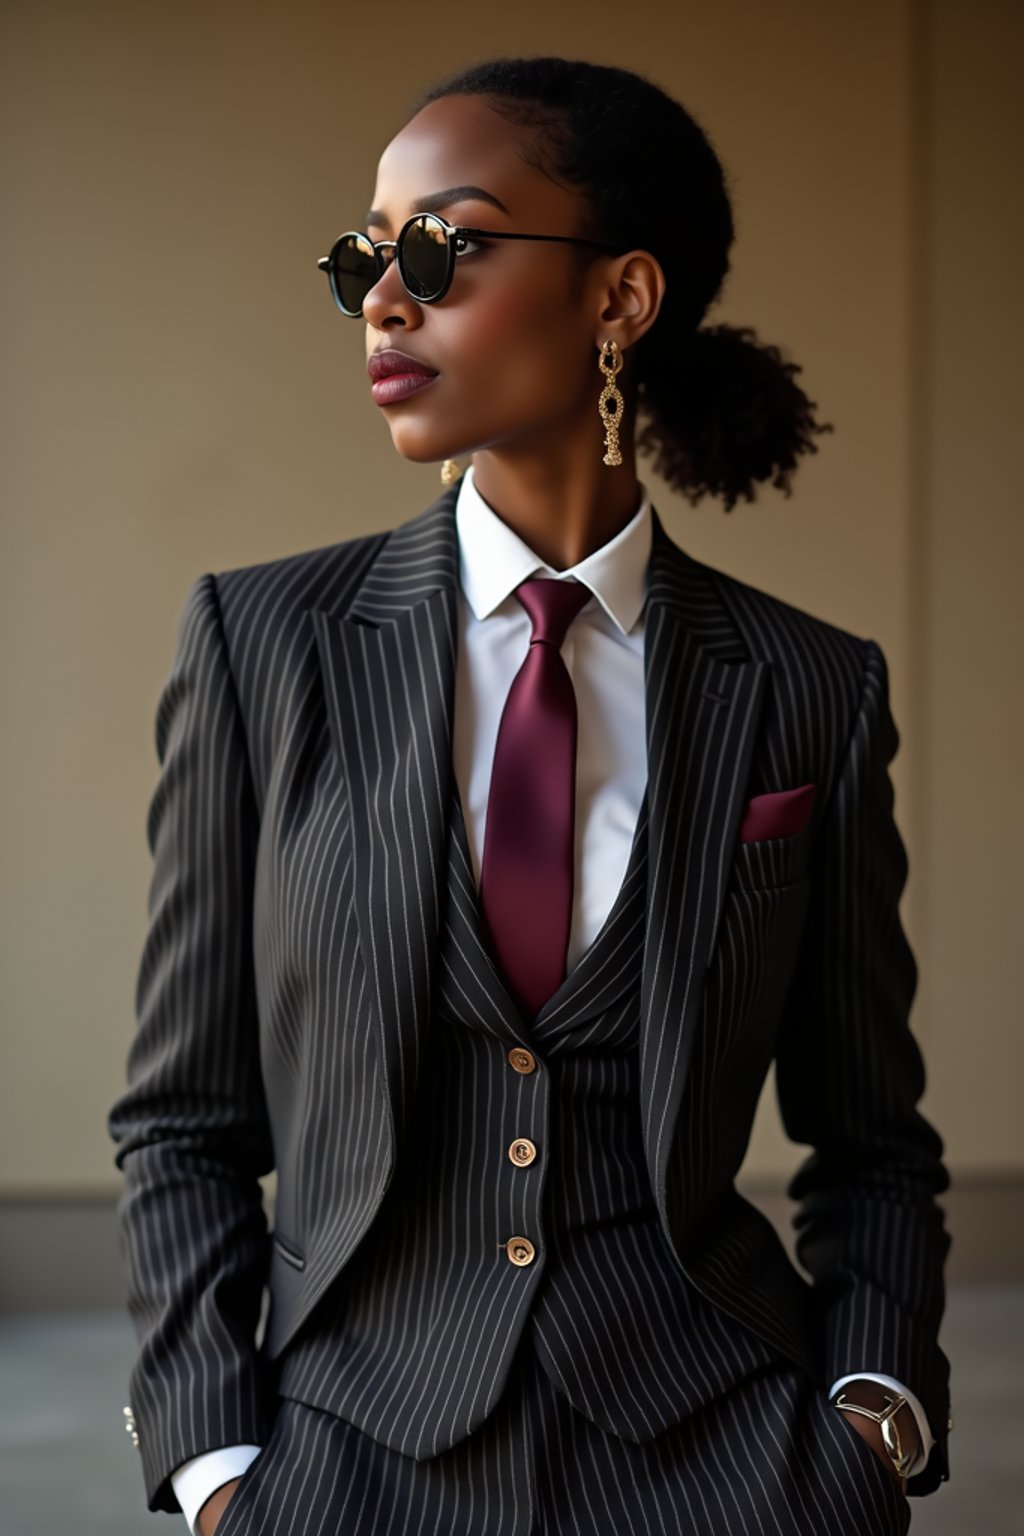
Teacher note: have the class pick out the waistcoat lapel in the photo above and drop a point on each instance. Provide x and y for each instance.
(611, 964)
(472, 988)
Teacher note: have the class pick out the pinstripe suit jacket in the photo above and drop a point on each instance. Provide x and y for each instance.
(299, 834)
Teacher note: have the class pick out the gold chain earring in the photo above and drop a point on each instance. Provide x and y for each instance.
(451, 469)
(611, 402)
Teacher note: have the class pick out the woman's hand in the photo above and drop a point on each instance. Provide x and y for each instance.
(870, 1396)
(216, 1504)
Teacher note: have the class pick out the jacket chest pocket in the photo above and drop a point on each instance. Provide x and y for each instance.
(771, 863)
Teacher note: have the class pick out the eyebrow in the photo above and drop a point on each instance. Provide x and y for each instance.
(433, 202)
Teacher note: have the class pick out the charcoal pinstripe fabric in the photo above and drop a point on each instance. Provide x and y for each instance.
(290, 976)
(771, 1457)
(416, 1341)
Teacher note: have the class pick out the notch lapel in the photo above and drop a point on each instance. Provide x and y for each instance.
(388, 667)
(704, 697)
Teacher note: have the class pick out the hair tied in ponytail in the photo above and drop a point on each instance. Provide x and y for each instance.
(718, 411)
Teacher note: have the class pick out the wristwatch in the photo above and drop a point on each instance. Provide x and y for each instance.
(900, 1458)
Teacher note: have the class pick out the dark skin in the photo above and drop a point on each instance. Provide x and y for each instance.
(516, 338)
(515, 342)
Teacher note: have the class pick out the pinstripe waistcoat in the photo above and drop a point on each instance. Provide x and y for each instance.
(305, 959)
(415, 1341)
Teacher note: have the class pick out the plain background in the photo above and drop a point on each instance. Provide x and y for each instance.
(180, 396)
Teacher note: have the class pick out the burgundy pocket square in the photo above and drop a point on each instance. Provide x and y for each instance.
(782, 814)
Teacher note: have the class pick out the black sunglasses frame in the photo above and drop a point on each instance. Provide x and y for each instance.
(452, 233)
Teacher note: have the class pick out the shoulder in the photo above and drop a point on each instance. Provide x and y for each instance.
(795, 641)
(255, 598)
(307, 576)
(822, 679)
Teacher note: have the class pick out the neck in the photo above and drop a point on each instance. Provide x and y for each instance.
(563, 510)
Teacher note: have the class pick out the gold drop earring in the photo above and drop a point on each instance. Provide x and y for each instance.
(611, 402)
(451, 469)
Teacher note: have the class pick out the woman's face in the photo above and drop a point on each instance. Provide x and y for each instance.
(515, 338)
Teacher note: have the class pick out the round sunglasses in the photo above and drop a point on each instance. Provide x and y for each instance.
(425, 250)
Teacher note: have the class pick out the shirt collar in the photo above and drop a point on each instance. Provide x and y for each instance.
(493, 559)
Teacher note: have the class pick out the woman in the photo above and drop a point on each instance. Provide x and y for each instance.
(496, 857)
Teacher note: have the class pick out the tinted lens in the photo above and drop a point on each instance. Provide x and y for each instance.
(423, 257)
(353, 271)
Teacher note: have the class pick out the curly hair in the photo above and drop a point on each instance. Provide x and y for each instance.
(717, 409)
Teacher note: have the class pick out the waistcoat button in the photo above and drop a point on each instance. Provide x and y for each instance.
(521, 1059)
(522, 1152)
(520, 1250)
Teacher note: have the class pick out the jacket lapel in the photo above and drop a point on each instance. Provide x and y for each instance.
(704, 697)
(389, 677)
(389, 680)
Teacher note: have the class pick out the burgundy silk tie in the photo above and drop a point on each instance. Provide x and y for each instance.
(526, 873)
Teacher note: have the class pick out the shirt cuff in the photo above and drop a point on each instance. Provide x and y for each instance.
(195, 1480)
(923, 1427)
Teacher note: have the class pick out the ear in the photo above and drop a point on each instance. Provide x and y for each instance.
(631, 297)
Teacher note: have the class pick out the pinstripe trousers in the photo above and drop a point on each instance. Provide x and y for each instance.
(771, 1458)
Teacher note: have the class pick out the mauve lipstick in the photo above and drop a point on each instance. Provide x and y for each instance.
(396, 375)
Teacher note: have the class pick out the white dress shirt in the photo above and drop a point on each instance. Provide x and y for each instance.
(604, 654)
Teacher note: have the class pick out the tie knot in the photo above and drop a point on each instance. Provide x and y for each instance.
(552, 606)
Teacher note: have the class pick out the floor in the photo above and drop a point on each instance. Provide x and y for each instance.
(67, 1467)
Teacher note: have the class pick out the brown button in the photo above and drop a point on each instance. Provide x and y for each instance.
(520, 1250)
(521, 1059)
(522, 1152)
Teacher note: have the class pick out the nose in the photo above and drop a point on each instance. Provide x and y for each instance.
(390, 299)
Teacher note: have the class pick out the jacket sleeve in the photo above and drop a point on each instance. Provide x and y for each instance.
(849, 1074)
(191, 1129)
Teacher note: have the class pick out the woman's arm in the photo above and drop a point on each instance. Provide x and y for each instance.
(204, 1484)
(192, 1129)
(849, 1074)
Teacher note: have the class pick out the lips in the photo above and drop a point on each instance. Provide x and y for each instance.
(389, 361)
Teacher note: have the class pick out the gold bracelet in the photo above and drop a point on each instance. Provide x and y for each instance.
(900, 1458)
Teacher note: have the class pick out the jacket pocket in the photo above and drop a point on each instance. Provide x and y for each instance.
(771, 862)
(289, 1252)
(874, 1467)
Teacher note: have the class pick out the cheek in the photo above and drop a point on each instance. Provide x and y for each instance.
(501, 312)
(514, 343)
(502, 318)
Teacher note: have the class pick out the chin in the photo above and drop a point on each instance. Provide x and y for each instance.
(421, 448)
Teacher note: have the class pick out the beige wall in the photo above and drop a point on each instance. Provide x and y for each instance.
(180, 396)
(970, 550)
